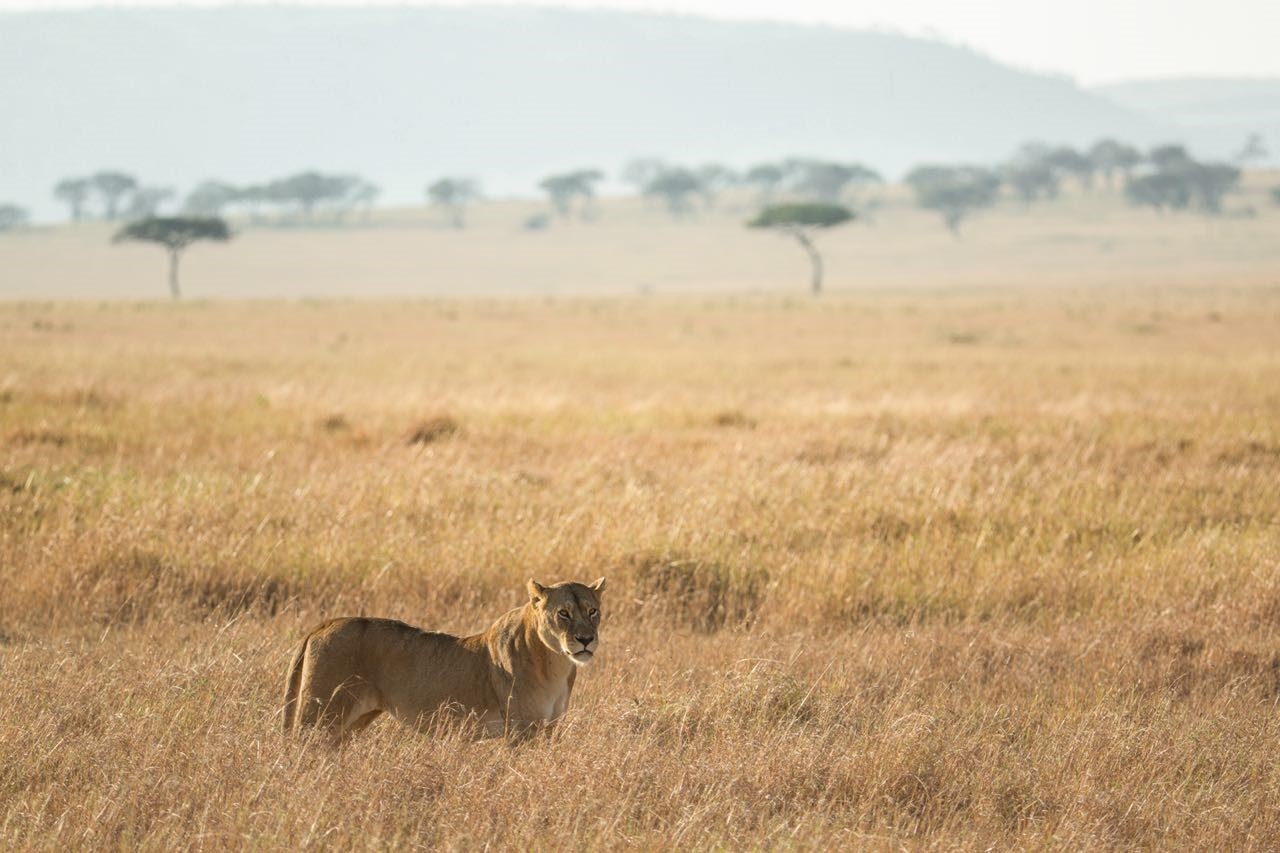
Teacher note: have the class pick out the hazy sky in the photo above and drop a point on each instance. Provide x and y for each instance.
(1091, 40)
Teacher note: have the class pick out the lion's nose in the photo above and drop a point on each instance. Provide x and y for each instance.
(586, 641)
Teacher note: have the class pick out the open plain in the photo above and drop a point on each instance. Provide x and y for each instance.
(982, 549)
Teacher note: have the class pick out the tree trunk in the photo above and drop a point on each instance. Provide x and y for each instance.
(815, 260)
(174, 291)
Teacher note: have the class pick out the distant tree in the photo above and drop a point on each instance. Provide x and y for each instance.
(1160, 191)
(1068, 162)
(826, 180)
(800, 221)
(175, 234)
(307, 190)
(640, 172)
(452, 195)
(12, 216)
(1254, 149)
(562, 189)
(74, 192)
(1110, 156)
(1031, 180)
(714, 179)
(1179, 182)
(113, 187)
(146, 201)
(364, 195)
(675, 186)
(210, 199)
(252, 198)
(766, 178)
(1210, 182)
(1169, 157)
(954, 191)
(1275, 194)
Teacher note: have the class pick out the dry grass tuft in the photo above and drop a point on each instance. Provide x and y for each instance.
(698, 594)
(433, 429)
(733, 419)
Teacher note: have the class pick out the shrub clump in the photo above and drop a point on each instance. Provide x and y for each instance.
(433, 429)
(700, 594)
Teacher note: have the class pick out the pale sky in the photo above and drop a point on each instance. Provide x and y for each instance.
(1093, 41)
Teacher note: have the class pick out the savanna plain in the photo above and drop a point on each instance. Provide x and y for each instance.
(965, 566)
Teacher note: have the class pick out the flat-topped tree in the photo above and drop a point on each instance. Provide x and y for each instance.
(452, 195)
(954, 191)
(113, 187)
(74, 192)
(801, 221)
(563, 188)
(12, 216)
(766, 178)
(175, 233)
(675, 186)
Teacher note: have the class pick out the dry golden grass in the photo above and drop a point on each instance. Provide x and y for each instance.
(963, 569)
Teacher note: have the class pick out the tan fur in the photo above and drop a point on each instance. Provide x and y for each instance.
(514, 678)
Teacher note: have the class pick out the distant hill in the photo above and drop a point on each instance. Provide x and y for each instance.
(401, 95)
(1213, 114)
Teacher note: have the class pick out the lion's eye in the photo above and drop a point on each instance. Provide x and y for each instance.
(564, 615)
(593, 613)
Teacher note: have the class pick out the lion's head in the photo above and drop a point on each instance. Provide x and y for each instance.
(568, 617)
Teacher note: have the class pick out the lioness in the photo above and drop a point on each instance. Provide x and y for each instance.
(514, 679)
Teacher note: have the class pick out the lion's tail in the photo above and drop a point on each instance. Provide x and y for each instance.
(292, 684)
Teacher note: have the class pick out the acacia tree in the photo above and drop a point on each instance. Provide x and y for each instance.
(308, 190)
(1110, 156)
(452, 195)
(1031, 180)
(954, 191)
(766, 178)
(800, 221)
(364, 195)
(113, 187)
(209, 198)
(563, 188)
(74, 192)
(175, 233)
(827, 181)
(675, 186)
(1065, 160)
(714, 179)
(1254, 148)
(1180, 182)
(146, 201)
(12, 216)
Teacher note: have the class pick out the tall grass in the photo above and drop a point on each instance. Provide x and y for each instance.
(973, 569)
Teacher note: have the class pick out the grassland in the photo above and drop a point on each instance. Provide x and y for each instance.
(995, 564)
(967, 569)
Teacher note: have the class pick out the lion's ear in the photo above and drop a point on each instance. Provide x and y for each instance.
(598, 586)
(537, 592)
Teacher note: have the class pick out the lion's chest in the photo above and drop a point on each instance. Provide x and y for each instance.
(552, 704)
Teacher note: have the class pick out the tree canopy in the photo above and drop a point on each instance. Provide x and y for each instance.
(954, 191)
(453, 195)
(798, 220)
(564, 187)
(675, 186)
(113, 187)
(1179, 182)
(175, 233)
(802, 215)
(12, 216)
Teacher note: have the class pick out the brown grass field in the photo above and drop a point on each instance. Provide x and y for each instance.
(983, 565)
